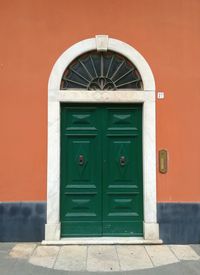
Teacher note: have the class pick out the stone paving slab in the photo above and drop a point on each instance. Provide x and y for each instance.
(161, 255)
(6, 247)
(72, 257)
(184, 252)
(22, 250)
(45, 256)
(102, 258)
(196, 248)
(99, 258)
(133, 257)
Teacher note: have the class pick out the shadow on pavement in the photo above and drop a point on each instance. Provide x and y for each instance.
(9, 266)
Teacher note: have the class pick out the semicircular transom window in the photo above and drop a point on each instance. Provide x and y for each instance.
(101, 71)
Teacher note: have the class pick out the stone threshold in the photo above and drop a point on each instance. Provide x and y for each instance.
(101, 240)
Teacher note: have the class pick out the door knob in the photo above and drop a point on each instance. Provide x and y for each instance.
(122, 160)
(81, 160)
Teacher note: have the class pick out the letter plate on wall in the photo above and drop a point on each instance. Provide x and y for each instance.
(163, 161)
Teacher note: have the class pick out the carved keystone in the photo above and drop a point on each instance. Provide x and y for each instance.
(102, 42)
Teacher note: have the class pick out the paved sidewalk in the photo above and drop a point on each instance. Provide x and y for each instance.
(32, 258)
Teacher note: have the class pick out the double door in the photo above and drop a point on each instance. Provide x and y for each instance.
(101, 170)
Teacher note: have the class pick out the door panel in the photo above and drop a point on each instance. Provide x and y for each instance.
(119, 160)
(122, 188)
(80, 173)
(80, 166)
(121, 118)
(101, 170)
(80, 118)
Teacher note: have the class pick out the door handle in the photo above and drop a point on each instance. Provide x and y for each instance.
(122, 160)
(81, 160)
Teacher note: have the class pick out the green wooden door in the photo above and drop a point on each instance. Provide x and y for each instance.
(101, 170)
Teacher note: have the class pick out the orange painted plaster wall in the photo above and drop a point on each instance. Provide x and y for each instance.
(34, 33)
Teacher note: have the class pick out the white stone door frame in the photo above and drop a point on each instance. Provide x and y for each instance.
(146, 97)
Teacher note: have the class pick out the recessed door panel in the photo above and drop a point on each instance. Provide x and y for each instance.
(80, 165)
(122, 118)
(101, 170)
(120, 160)
(80, 118)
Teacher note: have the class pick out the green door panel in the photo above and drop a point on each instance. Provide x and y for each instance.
(80, 173)
(122, 188)
(101, 170)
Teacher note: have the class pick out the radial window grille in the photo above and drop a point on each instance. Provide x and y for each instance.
(101, 71)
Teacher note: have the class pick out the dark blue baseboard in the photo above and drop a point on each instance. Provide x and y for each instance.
(179, 223)
(25, 222)
(22, 222)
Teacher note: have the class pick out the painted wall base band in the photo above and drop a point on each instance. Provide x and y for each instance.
(179, 223)
(22, 221)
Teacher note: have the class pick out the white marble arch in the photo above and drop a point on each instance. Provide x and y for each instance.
(146, 96)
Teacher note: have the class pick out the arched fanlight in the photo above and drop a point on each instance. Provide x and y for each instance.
(101, 71)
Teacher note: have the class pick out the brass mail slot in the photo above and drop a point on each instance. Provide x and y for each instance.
(163, 161)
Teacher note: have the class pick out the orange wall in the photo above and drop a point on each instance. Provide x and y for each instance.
(35, 32)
